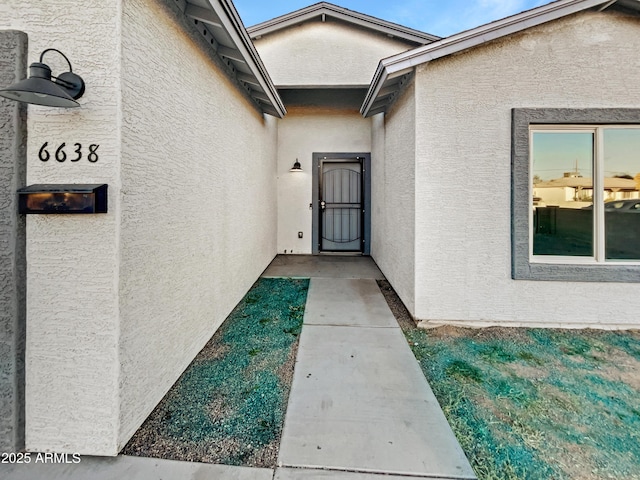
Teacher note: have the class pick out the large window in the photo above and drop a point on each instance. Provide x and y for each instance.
(576, 194)
(585, 193)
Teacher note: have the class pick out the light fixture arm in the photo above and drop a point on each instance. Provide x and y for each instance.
(73, 84)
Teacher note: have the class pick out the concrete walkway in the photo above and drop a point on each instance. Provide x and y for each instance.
(359, 401)
(360, 407)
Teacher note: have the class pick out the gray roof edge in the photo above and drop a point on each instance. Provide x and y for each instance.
(378, 80)
(351, 16)
(478, 36)
(236, 30)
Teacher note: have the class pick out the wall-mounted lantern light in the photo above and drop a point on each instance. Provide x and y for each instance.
(40, 89)
(66, 198)
(296, 167)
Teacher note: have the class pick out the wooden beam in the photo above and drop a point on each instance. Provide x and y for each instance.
(250, 79)
(231, 54)
(386, 91)
(203, 15)
(260, 96)
(182, 5)
(381, 102)
(607, 5)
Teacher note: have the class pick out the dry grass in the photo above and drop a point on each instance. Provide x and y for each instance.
(537, 403)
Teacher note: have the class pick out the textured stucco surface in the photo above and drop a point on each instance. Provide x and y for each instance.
(13, 137)
(319, 53)
(393, 192)
(198, 203)
(118, 304)
(72, 328)
(463, 176)
(302, 132)
(377, 182)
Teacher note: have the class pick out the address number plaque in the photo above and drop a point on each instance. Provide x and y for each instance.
(76, 152)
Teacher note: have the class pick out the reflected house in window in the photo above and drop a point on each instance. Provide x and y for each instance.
(575, 191)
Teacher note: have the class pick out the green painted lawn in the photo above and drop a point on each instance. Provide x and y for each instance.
(228, 407)
(538, 404)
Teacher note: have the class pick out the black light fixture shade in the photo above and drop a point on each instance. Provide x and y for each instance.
(296, 167)
(40, 89)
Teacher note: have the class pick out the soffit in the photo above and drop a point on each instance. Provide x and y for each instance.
(219, 23)
(627, 4)
(320, 11)
(393, 72)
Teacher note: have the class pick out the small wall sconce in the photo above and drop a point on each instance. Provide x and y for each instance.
(66, 198)
(296, 167)
(40, 89)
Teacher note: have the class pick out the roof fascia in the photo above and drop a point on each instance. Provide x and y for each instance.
(473, 38)
(349, 16)
(270, 102)
(249, 52)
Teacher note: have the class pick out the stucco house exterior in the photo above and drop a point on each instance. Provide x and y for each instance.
(417, 150)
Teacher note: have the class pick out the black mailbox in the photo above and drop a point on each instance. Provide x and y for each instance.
(63, 198)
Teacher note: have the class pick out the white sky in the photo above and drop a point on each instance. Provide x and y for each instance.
(438, 17)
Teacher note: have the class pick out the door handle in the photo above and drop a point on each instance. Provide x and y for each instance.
(323, 205)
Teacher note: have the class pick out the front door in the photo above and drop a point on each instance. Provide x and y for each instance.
(341, 206)
(341, 203)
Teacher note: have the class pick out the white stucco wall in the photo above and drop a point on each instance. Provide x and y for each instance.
(119, 303)
(377, 182)
(330, 53)
(198, 203)
(393, 195)
(463, 189)
(302, 132)
(72, 272)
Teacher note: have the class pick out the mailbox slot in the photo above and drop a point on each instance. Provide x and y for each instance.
(63, 198)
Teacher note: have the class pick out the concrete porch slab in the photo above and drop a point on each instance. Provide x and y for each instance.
(313, 266)
(130, 468)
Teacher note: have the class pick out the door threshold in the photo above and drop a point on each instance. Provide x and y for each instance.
(342, 254)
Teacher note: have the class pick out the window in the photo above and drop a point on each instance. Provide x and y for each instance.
(588, 179)
(576, 194)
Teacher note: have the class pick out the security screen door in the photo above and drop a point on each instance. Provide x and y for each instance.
(341, 206)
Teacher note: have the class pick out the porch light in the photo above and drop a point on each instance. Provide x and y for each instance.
(40, 89)
(296, 167)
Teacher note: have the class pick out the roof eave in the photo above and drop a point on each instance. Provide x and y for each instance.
(232, 44)
(357, 18)
(475, 37)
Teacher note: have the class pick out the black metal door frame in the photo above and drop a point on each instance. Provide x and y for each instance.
(336, 157)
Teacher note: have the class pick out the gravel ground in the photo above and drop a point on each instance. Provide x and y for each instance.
(228, 406)
(398, 309)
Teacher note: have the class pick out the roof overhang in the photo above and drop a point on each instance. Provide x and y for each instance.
(323, 10)
(219, 23)
(393, 71)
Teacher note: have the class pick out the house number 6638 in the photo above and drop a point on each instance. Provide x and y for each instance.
(60, 153)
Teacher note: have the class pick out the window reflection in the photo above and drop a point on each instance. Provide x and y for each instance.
(562, 172)
(621, 193)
